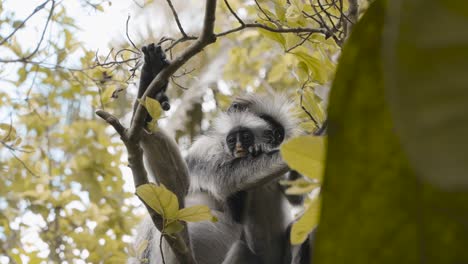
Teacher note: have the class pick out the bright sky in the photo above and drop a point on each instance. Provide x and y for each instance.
(100, 27)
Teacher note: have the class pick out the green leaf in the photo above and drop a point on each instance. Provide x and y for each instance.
(426, 82)
(277, 72)
(107, 94)
(301, 229)
(314, 65)
(153, 107)
(280, 10)
(305, 154)
(27, 148)
(22, 75)
(274, 36)
(196, 213)
(298, 190)
(173, 227)
(160, 199)
(7, 132)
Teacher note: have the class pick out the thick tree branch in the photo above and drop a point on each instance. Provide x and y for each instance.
(207, 37)
(177, 242)
(171, 169)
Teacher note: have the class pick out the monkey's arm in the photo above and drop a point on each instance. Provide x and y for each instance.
(165, 163)
(224, 176)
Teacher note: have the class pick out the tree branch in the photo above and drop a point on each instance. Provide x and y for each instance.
(171, 169)
(176, 17)
(206, 37)
(352, 15)
(271, 29)
(37, 9)
(177, 242)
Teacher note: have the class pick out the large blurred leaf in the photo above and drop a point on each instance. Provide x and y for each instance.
(427, 86)
(308, 221)
(374, 208)
(305, 155)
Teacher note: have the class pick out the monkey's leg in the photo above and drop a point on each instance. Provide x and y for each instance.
(240, 253)
(265, 224)
(303, 253)
(155, 61)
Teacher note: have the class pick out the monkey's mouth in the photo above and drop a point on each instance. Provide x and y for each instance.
(240, 153)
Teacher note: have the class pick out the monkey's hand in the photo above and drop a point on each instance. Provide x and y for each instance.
(256, 150)
(155, 61)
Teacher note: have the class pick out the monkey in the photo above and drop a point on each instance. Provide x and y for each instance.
(275, 110)
(236, 139)
(230, 239)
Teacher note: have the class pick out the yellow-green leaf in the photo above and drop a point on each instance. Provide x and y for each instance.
(27, 148)
(153, 107)
(173, 227)
(277, 72)
(7, 132)
(315, 65)
(301, 229)
(160, 199)
(107, 94)
(305, 154)
(195, 214)
(274, 36)
(297, 189)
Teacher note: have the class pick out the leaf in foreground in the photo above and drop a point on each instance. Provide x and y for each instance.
(160, 199)
(374, 207)
(196, 213)
(305, 154)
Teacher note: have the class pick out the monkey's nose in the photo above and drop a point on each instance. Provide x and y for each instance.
(239, 151)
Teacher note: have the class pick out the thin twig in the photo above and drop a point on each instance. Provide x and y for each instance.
(126, 33)
(233, 12)
(37, 9)
(176, 17)
(276, 30)
(25, 166)
(304, 108)
(304, 39)
(43, 33)
(160, 247)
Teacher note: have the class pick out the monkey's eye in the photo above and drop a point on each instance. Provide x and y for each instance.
(279, 135)
(247, 138)
(231, 140)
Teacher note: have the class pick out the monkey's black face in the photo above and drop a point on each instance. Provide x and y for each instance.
(239, 141)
